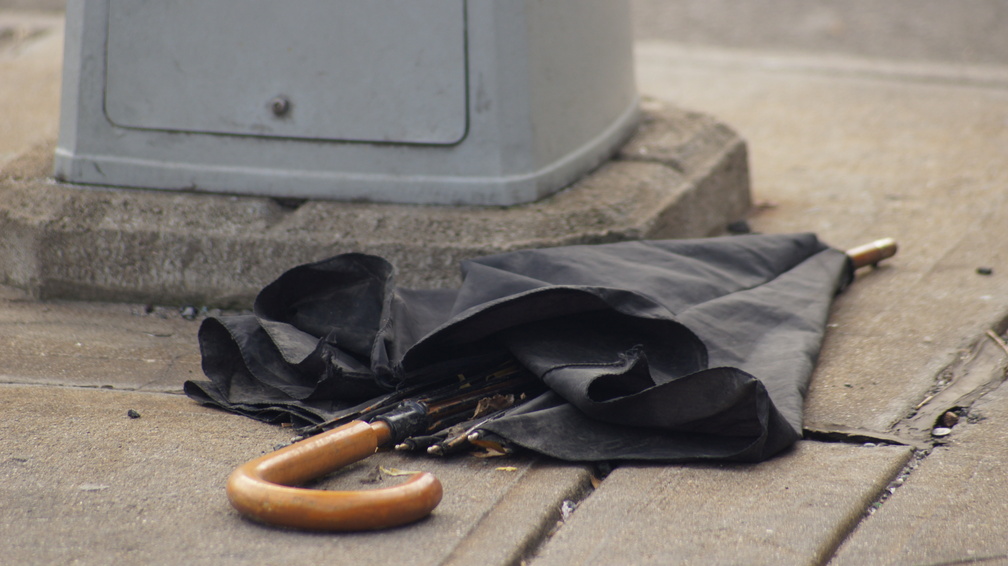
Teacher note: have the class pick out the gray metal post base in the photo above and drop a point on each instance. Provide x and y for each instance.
(443, 102)
(682, 175)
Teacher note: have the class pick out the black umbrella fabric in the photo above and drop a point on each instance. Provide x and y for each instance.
(651, 350)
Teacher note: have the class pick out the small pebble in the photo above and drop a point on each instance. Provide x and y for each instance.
(566, 509)
(189, 313)
(941, 431)
(985, 271)
(950, 419)
(132, 414)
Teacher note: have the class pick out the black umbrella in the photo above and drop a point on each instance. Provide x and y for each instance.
(659, 350)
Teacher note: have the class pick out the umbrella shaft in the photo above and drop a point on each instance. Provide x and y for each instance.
(470, 398)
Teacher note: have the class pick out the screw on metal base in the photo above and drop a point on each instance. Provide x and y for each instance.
(280, 106)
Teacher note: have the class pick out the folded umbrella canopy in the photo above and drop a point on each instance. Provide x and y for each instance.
(649, 350)
(667, 350)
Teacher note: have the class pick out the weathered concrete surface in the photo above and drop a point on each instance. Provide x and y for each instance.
(952, 509)
(967, 31)
(789, 510)
(121, 346)
(683, 174)
(86, 484)
(31, 49)
(858, 157)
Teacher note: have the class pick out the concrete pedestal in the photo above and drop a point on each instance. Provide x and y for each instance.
(682, 175)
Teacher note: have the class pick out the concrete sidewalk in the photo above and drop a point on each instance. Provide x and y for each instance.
(846, 146)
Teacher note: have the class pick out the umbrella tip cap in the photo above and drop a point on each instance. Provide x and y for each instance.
(873, 253)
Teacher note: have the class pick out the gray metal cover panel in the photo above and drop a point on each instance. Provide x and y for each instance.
(355, 70)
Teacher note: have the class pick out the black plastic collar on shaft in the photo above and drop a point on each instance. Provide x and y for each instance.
(406, 420)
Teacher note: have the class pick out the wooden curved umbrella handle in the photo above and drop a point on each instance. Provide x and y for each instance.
(263, 488)
(871, 254)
